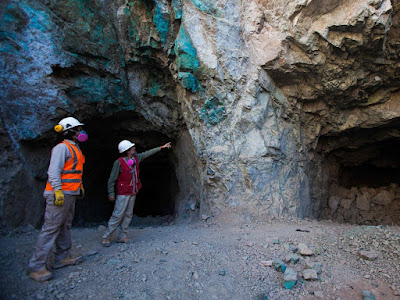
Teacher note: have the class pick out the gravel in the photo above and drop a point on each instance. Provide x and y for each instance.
(213, 260)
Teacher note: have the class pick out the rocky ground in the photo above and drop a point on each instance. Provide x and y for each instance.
(214, 260)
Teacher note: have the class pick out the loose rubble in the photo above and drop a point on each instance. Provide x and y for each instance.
(207, 260)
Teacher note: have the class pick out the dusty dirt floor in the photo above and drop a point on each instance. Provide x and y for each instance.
(211, 260)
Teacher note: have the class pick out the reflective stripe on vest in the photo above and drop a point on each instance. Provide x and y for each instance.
(71, 175)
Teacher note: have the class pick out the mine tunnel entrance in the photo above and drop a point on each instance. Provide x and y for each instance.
(157, 172)
(380, 165)
(363, 171)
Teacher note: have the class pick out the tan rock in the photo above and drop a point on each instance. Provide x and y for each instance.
(363, 202)
(369, 255)
(304, 250)
(383, 198)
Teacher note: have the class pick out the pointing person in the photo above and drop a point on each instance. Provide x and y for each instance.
(124, 182)
(63, 186)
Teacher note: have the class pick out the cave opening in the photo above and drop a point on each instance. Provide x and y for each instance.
(157, 172)
(361, 172)
(379, 167)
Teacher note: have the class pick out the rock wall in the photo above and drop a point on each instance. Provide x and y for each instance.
(364, 205)
(258, 97)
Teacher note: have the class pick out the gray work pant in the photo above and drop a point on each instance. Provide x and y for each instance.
(56, 229)
(122, 215)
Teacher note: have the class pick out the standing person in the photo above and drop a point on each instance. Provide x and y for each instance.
(124, 178)
(63, 186)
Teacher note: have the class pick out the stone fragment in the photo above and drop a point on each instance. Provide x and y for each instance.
(363, 202)
(346, 203)
(279, 265)
(38, 296)
(310, 274)
(262, 296)
(319, 294)
(114, 261)
(304, 250)
(334, 202)
(289, 278)
(205, 217)
(292, 258)
(383, 198)
(266, 263)
(195, 276)
(369, 255)
(367, 295)
(317, 266)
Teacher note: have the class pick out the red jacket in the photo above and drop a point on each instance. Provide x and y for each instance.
(128, 182)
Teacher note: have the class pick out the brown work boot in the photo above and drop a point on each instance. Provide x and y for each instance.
(68, 261)
(106, 243)
(123, 240)
(41, 276)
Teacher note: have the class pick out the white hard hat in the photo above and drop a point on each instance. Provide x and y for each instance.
(67, 123)
(125, 145)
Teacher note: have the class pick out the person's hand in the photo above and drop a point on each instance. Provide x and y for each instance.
(111, 198)
(167, 145)
(58, 198)
(82, 192)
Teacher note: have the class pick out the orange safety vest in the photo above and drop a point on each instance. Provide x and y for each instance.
(71, 175)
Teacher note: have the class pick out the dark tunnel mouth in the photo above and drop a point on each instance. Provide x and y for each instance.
(378, 170)
(155, 200)
(363, 175)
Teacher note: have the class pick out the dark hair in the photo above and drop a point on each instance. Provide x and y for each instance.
(68, 134)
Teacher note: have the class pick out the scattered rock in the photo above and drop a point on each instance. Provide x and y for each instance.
(279, 265)
(195, 276)
(114, 261)
(266, 263)
(205, 217)
(317, 266)
(304, 250)
(289, 278)
(310, 274)
(383, 198)
(368, 295)
(262, 296)
(319, 294)
(369, 255)
(292, 258)
(333, 203)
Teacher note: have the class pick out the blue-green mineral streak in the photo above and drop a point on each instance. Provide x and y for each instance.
(161, 20)
(177, 5)
(213, 111)
(183, 44)
(186, 61)
(189, 81)
(207, 6)
(153, 87)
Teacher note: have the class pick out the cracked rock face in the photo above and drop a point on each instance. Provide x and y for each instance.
(275, 109)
